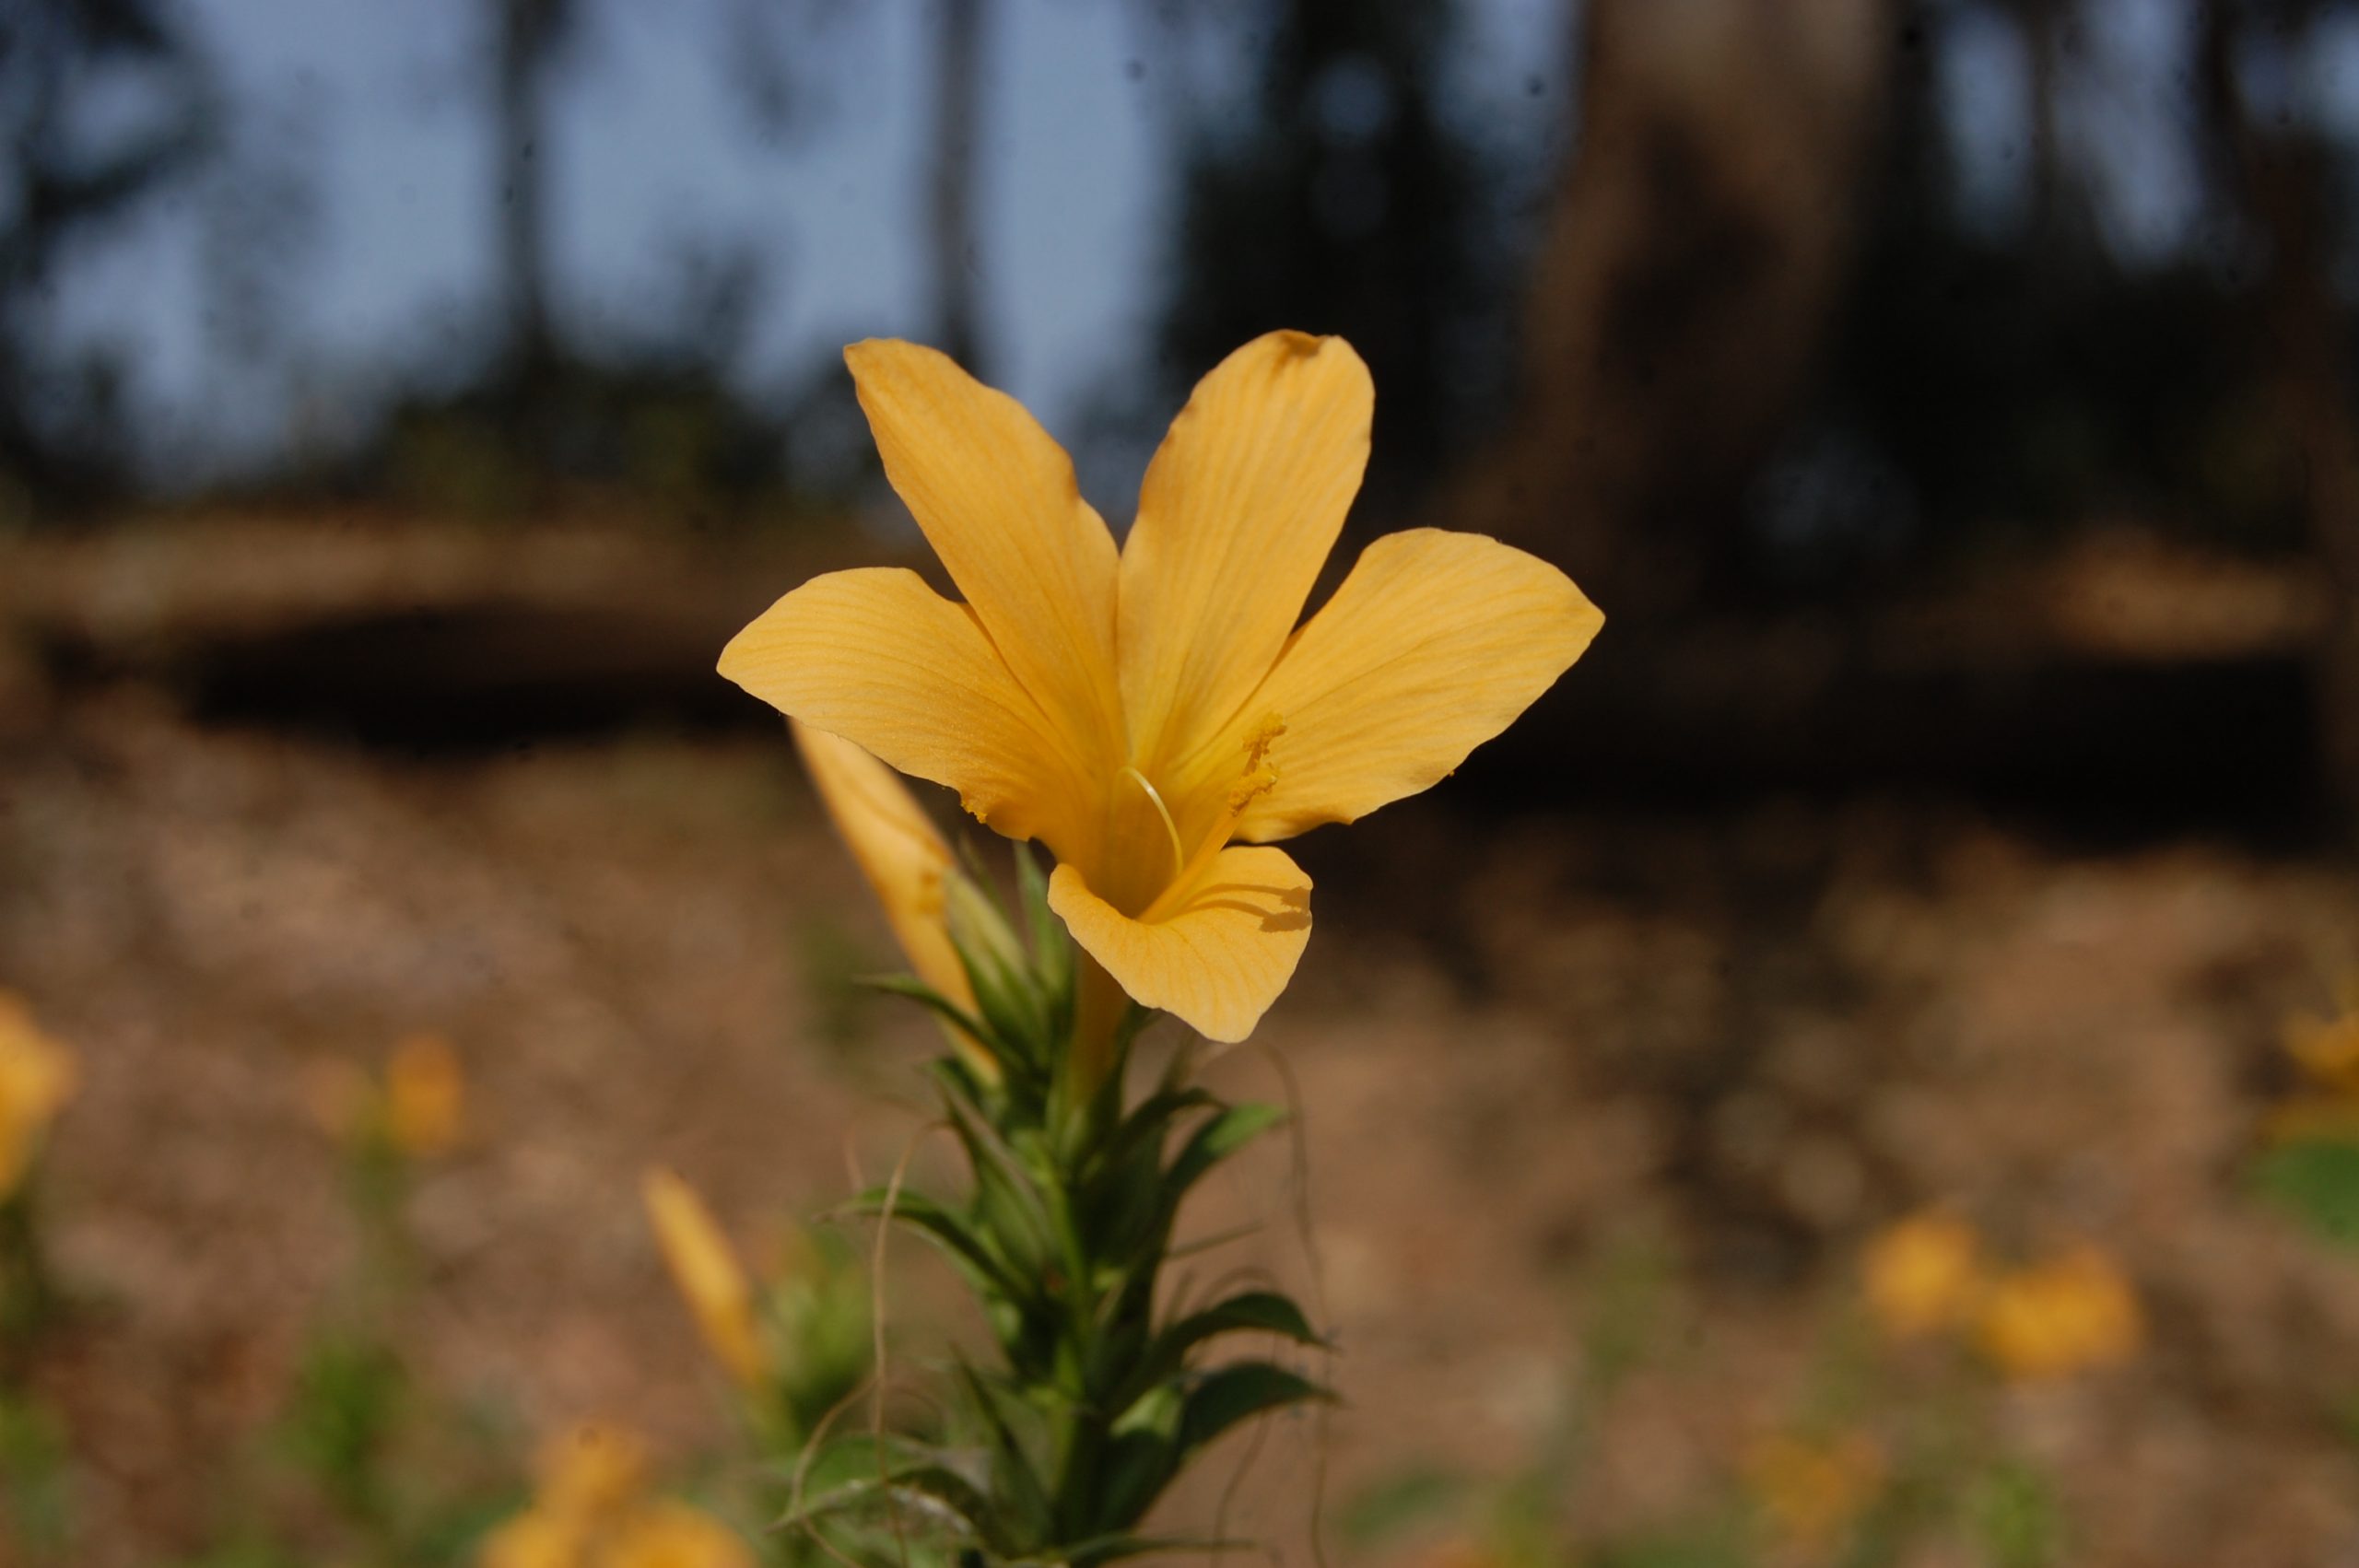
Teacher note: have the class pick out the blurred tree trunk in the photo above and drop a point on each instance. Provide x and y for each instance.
(959, 65)
(1699, 242)
(529, 33)
(2045, 25)
(1332, 190)
(2287, 182)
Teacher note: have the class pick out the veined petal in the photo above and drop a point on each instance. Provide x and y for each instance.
(877, 657)
(1219, 959)
(996, 497)
(903, 858)
(1432, 644)
(1240, 507)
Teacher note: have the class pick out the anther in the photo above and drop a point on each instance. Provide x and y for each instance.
(1251, 787)
(1265, 735)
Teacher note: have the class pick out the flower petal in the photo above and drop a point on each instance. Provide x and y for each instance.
(997, 501)
(1432, 644)
(877, 657)
(903, 858)
(1240, 507)
(1220, 959)
(704, 1268)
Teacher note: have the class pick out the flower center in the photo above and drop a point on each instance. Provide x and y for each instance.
(1257, 779)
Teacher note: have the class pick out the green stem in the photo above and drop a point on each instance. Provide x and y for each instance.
(1097, 1404)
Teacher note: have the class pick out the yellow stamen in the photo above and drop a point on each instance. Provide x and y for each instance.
(1257, 782)
(1265, 735)
(1179, 856)
(1251, 787)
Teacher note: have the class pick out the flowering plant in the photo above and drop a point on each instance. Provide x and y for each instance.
(1155, 717)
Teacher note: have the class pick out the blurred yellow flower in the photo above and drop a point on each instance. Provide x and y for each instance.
(589, 1510)
(1812, 1489)
(672, 1535)
(534, 1539)
(705, 1269)
(908, 866)
(2327, 1052)
(1154, 714)
(591, 1470)
(1921, 1275)
(425, 1097)
(37, 1077)
(2071, 1314)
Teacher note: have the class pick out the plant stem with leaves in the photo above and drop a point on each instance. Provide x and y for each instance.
(1101, 1392)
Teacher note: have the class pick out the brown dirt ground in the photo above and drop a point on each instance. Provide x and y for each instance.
(1757, 1036)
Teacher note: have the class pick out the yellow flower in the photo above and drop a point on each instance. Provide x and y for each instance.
(672, 1535)
(590, 1473)
(425, 1097)
(590, 1511)
(1922, 1274)
(2071, 1314)
(705, 1268)
(1154, 714)
(908, 866)
(37, 1077)
(1812, 1489)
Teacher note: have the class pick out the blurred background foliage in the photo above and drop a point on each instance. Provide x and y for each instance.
(1734, 315)
(1850, 289)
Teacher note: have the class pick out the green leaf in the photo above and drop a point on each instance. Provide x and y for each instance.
(1216, 1141)
(1016, 1481)
(1252, 1311)
(1007, 991)
(1264, 1310)
(1238, 1393)
(1214, 1242)
(939, 1494)
(1139, 1464)
(947, 1231)
(1006, 1000)
(1125, 1205)
(999, 1171)
(1051, 943)
(1143, 1459)
(950, 1012)
(1149, 1121)
(948, 1491)
(861, 1474)
(2316, 1181)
